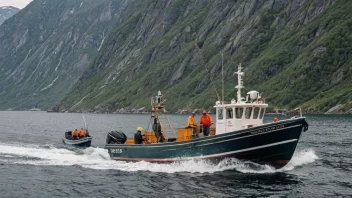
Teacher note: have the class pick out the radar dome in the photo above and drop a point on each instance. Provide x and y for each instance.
(253, 95)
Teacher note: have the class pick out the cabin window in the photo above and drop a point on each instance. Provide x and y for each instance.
(220, 114)
(256, 112)
(229, 113)
(261, 113)
(239, 113)
(248, 112)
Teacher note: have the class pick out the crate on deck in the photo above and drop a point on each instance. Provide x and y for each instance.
(183, 134)
(212, 131)
(150, 137)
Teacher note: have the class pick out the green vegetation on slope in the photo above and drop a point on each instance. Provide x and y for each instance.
(296, 53)
(300, 58)
(47, 46)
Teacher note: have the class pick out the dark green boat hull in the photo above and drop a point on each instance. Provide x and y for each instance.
(272, 144)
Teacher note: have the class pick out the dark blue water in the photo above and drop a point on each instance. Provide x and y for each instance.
(34, 163)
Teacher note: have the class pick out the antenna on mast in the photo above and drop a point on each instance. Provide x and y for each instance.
(222, 68)
(205, 65)
(240, 82)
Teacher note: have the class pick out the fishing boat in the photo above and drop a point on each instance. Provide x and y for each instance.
(79, 142)
(239, 133)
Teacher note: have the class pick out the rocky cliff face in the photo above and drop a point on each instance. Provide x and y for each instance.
(7, 12)
(47, 46)
(293, 51)
(297, 52)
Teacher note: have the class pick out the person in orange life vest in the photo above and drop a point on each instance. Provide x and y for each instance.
(205, 121)
(275, 120)
(75, 134)
(192, 122)
(82, 133)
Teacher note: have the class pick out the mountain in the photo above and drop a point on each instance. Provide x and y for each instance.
(297, 52)
(107, 56)
(7, 12)
(46, 47)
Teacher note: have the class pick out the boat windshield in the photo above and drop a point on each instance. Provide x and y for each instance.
(262, 113)
(248, 112)
(256, 112)
(220, 114)
(229, 113)
(239, 112)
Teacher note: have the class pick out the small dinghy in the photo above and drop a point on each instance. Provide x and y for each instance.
(80, 141)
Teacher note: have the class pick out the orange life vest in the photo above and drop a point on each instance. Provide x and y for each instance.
(191, 122)
(82, 133)
(74, 133)
(206, 120)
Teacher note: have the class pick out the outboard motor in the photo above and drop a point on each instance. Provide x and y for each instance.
(116, 137)
(68, 135)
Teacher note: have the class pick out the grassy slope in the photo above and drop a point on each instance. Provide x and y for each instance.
(282, 65)
(45, 20)
(307, 79)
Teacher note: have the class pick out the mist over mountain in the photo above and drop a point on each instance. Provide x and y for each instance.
(7, 12)
(111, 56)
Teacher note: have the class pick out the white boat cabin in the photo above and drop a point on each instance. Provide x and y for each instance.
(241, 114)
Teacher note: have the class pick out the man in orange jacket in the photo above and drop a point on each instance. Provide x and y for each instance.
(205, 122)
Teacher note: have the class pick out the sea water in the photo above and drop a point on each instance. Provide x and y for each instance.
(35, 163)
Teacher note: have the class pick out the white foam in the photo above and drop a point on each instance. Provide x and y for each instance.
(300, 158)
(98, 158)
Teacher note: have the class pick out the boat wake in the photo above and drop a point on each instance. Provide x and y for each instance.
(98, 158)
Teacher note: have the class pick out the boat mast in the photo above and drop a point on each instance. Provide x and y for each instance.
(160, 114)
(222, 68)
(240, 83)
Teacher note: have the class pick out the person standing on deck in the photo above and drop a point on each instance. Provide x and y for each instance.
(205, 121)
(138, 139)
(192, 123)
(157, 131)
